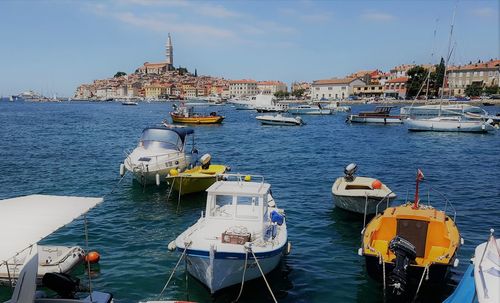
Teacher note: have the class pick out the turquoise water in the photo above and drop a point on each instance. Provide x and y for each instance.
(76, 149)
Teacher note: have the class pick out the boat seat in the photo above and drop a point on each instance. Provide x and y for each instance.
(436, 252)
(381, 246)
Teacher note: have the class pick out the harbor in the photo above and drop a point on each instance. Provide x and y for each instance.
(132, 227)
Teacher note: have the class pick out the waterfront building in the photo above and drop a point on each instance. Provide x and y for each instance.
(133, 89)
(400, 71)
(481, 73)
(271, 86)
(157, 90)
(160, 67)
(334, 88)
(368, 90)
(245, 87)
(396, 87)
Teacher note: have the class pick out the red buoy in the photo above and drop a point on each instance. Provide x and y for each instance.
(376, 184)
(92, 257)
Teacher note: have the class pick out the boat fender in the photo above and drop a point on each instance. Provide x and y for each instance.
(288, 249)
(173, 172)
(92, 257)
(157, 177)
(277, 218)
(247, 178)
(461, 241)
(122, 170)
(376, 184)
(171, 246)
(455, 263)
(360, 252)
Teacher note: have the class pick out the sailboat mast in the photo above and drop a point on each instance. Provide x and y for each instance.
(447, 58)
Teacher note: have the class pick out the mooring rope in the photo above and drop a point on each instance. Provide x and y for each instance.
(116, 185)
(242, 277)
(173, 271)
(426, 270)
(263, 276)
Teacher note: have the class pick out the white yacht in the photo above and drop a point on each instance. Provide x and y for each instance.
(309, 110)
(449, 124)
(160, 149)
(280, 120)
(241, 225)
(360, 194)
(434, 110)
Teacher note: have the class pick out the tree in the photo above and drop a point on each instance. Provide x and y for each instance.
(491, 90)
(438, 77)
(195, 72)
(416, 77)
(182, 70)
(119, 74)
(298, 92)
(281, 94)
(473, 90)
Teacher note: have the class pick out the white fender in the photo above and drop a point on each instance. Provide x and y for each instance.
(171, 246)
(122, 170)
(157, 179)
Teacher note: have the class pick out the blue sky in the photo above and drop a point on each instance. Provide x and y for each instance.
(53, 46)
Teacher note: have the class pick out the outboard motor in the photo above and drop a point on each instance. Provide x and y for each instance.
(405, 254)
(64, 285)
(205, 161)
(349, 172)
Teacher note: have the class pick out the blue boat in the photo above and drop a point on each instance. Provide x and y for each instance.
(466, 289)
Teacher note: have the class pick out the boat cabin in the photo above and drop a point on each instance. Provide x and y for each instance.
(380, 111)
(162, 137)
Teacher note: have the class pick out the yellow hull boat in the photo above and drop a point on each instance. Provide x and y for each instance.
(197, 119)
(410, 244)
(196, 179)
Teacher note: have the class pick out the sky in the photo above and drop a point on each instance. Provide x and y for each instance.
(54, 46)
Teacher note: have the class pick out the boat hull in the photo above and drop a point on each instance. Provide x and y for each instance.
(445, 125)
(311, 111)
(280, 123)
(197, 120)
(378, 120)
(226, 269)
(196, 179)
(357, 204)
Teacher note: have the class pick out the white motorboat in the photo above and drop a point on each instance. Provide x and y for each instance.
(160, 149)
(434, 110)
(129, 102)
(449, 124)
(26, 220)
(309, 110)
(335, 107)
(487, 270)
(360, 194)
(241, 226)
(58, 259)
(279, 120)
(381, 115)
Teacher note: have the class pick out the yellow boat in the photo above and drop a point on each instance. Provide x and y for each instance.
(196, 179)
(183, 114)
(409, 244)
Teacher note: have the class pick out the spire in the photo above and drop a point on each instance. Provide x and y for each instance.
(169, 51)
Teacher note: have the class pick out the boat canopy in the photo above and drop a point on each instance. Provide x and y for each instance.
(26, 220)
(168, 137)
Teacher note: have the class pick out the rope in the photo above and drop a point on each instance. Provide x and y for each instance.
(116, 185)
(242, 277)
(263, 276)
(426, 270)
(173, 271)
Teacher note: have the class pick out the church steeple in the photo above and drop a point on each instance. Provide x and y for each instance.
(169, 50)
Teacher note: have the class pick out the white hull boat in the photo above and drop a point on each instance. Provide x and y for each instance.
(434, 110)
(242, 225)
(160, 150)
(58, 259)
(309, 110)
(449, 124)
(280, 120)
(337, 108)
(360, 194)
(487, 270)
(381, 115)
(273, 108)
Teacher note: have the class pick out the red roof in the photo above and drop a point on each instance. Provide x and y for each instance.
(492, 64)
(270, 83)
(244, 81)
(398, 80)
(334, 81)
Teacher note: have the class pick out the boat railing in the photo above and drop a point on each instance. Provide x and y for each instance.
(446, 200)
(241, 177)
(385, 198)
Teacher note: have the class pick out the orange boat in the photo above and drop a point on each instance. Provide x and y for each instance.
(186, 115)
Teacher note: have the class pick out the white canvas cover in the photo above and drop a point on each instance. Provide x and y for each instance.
(26, 220)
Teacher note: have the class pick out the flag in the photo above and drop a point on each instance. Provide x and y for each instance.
(420, 175)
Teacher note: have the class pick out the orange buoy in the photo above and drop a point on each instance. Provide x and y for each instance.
(92, 257)
(376, 184)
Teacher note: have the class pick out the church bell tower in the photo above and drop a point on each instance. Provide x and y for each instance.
(169, 52)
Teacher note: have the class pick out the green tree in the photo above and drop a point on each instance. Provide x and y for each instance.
(182, 70)
(437, 82)
(281, 94)
(416, 77)
(298, 92)
(491, 90)
(119, 74)
(473, 90)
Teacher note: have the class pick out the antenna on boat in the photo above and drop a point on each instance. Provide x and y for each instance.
(420, 177)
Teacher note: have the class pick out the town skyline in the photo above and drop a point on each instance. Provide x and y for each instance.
(302, 41)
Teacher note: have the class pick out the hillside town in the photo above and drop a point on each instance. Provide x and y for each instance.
(161, 81)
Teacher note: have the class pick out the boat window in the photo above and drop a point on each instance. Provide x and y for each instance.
(247, 207)
(161, 138)
(223, 206)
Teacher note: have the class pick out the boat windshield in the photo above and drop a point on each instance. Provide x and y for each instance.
(165, 138)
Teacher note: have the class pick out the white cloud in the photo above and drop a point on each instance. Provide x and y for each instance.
(484, 12)
(310, 18)
(377, 16)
